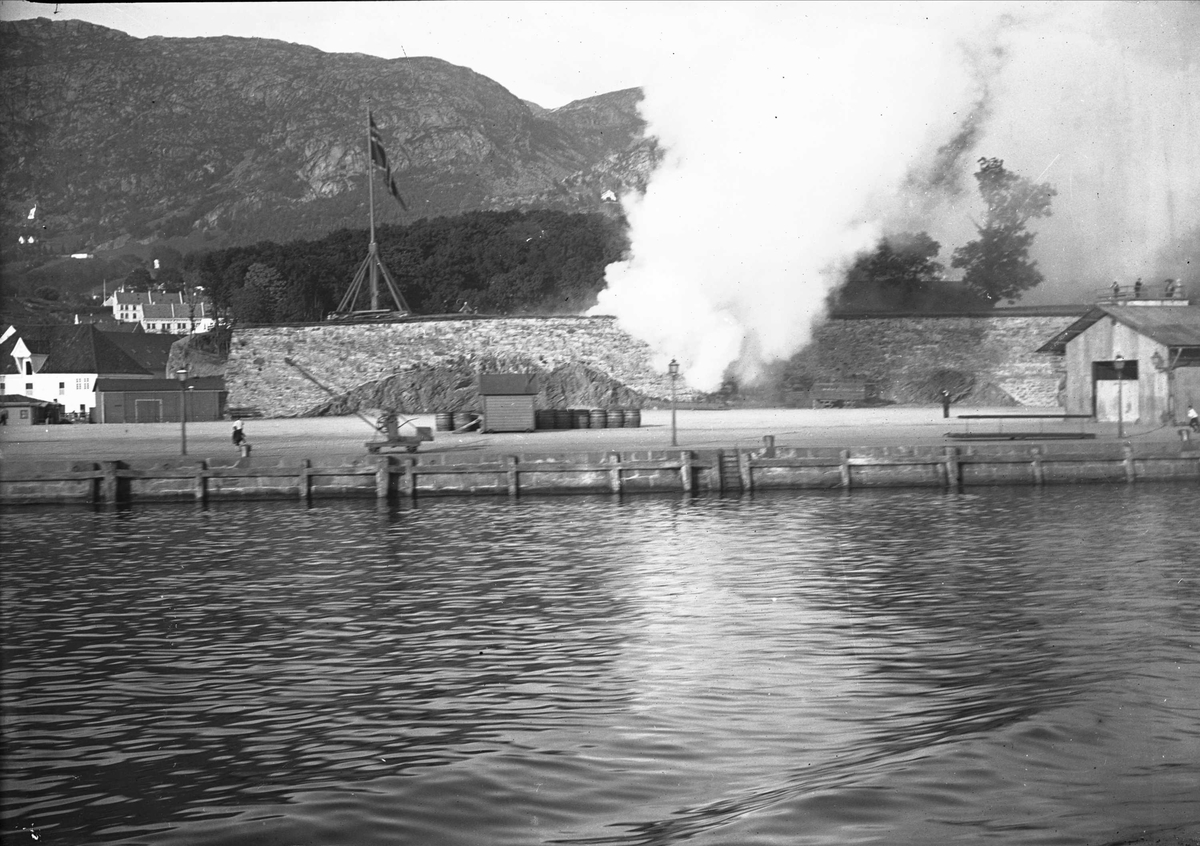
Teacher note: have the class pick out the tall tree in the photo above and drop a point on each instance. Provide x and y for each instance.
(997, 265)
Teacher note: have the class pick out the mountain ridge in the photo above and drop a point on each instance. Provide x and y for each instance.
(225, 140)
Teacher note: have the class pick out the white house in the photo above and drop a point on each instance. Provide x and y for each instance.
(178, 318)
(160, 311)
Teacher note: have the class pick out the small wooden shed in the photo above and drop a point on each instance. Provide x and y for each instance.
(508, 401)
(20, 410)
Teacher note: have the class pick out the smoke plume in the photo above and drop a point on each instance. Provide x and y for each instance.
(797, 134)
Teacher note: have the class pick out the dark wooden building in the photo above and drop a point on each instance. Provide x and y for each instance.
(159, 400)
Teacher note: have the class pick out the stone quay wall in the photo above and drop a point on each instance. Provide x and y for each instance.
(999, 351)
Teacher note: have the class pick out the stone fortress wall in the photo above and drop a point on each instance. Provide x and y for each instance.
(998, 350)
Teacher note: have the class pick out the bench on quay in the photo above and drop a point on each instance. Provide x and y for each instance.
(1022, 432)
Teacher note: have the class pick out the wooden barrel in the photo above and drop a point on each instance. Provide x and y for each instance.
(443, 421)
(633, 418)
(580, 419)
(462, 418)
(616, 418)
(562, 418)
(598, 419)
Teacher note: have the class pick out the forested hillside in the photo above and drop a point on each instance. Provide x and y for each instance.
(513, 262)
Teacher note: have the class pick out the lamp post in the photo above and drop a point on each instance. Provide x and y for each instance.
(182, 374)
(673, 369)
(1119, 364)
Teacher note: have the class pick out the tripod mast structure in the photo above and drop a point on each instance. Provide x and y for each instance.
(372, 269)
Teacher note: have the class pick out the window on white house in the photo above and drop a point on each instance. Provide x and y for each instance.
(29, 388)
(62, 388)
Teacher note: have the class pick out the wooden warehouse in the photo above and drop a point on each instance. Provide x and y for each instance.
(508, 400)
(159, 400)
(1146, 352)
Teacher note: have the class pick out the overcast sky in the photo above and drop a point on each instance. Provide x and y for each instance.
(548, 52)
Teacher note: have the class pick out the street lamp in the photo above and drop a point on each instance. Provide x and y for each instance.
(1119, 364)
(182, 374)
(673, 369)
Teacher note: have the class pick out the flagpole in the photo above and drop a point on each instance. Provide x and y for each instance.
(371, 200)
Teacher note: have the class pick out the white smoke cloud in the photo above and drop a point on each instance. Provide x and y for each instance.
(792, 134)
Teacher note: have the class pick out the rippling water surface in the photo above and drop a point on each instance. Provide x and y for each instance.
(1011, 666)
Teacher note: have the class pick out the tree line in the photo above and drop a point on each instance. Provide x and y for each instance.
(485, 262)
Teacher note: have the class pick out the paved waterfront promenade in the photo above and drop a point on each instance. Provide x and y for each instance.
(345, 437)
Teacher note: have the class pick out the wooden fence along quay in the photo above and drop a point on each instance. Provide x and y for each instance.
(641, 471)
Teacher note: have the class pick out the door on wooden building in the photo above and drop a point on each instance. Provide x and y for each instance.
(148, 410)
(1110, 390)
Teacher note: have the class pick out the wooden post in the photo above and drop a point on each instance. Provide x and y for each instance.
(1039, 471)
(383, 477)
(1130, 470)
(109, 482)
(410, 477)
(614, 476)
(716, 473)
(845, 468)
(685, 470)
(305, 480)
(200, 483)
(745, 470)
(512, 475)
(953, 470)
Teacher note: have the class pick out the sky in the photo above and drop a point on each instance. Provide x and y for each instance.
(546, 52)
(796, 134)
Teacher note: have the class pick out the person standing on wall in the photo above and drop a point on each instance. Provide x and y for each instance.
(1193, 418)
(945, 402)
(239, 436)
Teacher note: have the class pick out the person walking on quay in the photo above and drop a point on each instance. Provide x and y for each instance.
(239, 436)
(945, 402)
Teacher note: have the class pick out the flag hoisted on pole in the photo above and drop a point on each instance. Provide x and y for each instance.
(379, 156)
(373, 267)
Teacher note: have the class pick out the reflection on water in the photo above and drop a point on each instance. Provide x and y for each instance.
(1012, 666)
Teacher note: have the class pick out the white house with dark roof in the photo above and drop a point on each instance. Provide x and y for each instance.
(61, 363)
(162, 311)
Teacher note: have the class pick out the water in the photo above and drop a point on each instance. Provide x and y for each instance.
(1007, 666)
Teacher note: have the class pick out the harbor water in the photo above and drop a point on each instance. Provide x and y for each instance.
(1005, 666)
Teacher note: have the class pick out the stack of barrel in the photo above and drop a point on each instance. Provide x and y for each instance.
(588, 418)
(448, 421)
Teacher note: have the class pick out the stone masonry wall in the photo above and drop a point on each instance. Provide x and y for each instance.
(345, 356)
(999, 351)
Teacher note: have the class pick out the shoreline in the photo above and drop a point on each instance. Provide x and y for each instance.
(735, 451)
